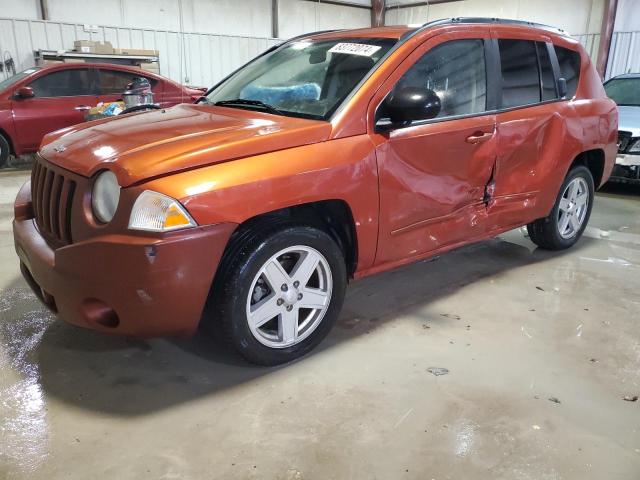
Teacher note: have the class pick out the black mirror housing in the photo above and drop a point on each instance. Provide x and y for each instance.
(562, 87)
(411, 104)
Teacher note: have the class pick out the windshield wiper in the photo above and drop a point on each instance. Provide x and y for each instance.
(251, 103)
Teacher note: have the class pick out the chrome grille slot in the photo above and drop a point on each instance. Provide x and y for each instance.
(52, 198)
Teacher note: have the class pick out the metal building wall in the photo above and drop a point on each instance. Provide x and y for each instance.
(624, 55)
(193, 58)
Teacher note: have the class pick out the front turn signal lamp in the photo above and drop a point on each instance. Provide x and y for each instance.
(155, 212)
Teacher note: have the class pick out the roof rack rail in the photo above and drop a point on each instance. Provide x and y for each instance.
(503, 21)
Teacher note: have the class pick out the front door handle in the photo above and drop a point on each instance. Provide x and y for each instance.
(479, 137)
(83, 108)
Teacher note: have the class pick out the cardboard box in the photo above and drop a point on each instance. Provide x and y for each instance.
(84, 46)
(74, 60)
(104, 48)
(139, 52)
(49, 62)
(150, 67)
(89, 46)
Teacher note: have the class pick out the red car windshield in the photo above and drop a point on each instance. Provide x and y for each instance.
(17, 77)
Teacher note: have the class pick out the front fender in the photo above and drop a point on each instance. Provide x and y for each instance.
(233, 192)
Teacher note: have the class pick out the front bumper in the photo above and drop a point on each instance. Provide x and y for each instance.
(626, 169)
(128, 284)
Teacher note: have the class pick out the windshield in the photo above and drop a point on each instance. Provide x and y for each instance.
(304, 79)
(17, 77)
(624, 91)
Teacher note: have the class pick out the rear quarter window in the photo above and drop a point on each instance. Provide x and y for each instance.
(569, 61)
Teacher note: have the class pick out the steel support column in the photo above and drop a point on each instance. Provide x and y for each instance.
(378, 8)
(606, 33)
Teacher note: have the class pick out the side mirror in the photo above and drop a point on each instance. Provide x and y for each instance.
(562, 87)
(410, 104)
(25, 92)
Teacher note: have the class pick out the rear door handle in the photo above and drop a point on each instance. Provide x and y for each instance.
(479, 137)
(83, 108)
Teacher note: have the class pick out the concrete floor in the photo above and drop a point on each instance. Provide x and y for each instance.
(541, 349)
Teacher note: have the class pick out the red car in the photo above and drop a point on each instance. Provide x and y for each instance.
(40, 100)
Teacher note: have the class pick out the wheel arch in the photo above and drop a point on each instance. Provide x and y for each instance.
(594, 160)
(334, 216)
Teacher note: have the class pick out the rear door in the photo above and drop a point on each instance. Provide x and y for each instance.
(112, 83)
(62, 98)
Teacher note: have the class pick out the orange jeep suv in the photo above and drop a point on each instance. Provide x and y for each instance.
(332, 156)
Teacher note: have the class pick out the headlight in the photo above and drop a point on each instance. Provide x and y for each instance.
(156, 212)
(105, 196)
(635, 147)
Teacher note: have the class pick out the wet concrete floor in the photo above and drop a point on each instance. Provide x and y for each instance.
(541, 350)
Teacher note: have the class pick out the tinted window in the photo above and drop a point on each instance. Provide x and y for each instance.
(455, 71)
(569, 61)
(115, 81)
(546, 73)
(520, 78)
(63, 83)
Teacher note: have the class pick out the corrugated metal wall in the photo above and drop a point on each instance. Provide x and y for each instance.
(206, 59)
(624, 56)
(590, 42)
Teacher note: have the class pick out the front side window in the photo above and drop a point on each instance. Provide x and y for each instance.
(520, 77)
(64, 83)
(305, 78)
(569, 61)
(624, 91)
(456, 72)
(114, 82)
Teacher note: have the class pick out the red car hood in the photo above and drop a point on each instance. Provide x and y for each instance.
(146, 145)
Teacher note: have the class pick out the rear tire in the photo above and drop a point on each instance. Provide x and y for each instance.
(5, 151)
(264, 304)
(570, 214)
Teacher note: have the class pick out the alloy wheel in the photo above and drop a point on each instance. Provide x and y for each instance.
(289, 296)
(573, 208)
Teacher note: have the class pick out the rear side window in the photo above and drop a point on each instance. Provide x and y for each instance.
(456, 72)
(520, 76)
(114, 82)
(546, 73)
(64, 83)
(569, 61)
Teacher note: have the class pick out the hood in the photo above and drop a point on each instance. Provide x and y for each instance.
(629, 120)
(150, 144)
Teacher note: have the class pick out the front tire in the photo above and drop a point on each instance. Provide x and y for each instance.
(278, 292)
(5, 151)
(570, 214)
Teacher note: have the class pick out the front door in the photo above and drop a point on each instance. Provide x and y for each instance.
(62, 98)
(434, 174)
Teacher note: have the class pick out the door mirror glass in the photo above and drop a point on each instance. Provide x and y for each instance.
(562, 87)
(25, 92)
(410, 104)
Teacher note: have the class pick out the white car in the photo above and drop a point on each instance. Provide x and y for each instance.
(625, 91)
